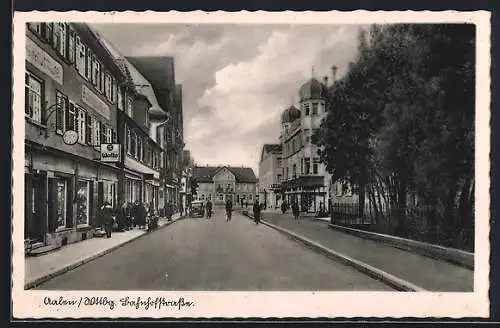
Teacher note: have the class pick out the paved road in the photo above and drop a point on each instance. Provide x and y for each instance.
(431, 274)
(200, 254)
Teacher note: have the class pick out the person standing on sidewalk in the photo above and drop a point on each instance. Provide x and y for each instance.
(256, 210)
(208, 207)
(107, 218)
(295, 210)
(229, 209)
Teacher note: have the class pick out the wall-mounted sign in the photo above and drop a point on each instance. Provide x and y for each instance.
(93, 100)
(70, 137)
(110, 153)
(43, 61)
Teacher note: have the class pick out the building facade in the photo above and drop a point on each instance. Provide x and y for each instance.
(220, 183)
(160, 73)
(270, 176)
(70, 85)
(138, 117)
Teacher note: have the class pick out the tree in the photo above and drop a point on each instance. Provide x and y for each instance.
(193, 184)
(402, 122)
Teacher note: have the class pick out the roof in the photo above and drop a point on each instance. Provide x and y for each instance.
(290, 114)
(205, 174)
(272, 148)
(158, 70)
(140, 83)
(312, 89)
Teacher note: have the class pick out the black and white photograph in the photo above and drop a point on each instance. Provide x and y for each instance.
(238, 165)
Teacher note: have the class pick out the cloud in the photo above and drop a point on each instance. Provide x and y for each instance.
(237, 79)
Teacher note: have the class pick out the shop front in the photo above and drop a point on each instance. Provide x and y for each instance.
(63, 194)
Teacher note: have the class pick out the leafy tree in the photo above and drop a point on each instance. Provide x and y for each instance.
(401, 121)
(193, 185)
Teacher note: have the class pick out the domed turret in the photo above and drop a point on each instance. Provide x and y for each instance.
(312, 89)
(290, 114)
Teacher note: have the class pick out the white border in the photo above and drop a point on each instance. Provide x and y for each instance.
(29, 304)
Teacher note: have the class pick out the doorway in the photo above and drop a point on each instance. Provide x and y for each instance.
(34, 211)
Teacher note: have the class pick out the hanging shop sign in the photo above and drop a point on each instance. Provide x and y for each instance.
(110, 153)
(43, 61)
(93, 100)
(70, 137)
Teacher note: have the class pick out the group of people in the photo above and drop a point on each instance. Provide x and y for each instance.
(229, 209)
(129, 215)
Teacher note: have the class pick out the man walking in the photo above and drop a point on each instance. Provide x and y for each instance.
(107, 218)
(295, 210)
(256, 210)
(208, 206)
(229, 209)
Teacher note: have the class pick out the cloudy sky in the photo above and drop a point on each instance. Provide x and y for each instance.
(237, 79)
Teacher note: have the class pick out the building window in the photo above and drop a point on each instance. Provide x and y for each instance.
(315, 109)
(294, 170)
(62, 108)
(133, 141)
(61, 200)
(89, 66)
(71, 45)
(120, 99)
(129, 106)
(61, 42)
(96, 72)
(307, 164)
(82, 203)
(113, 89)
(307, 109)
(307, 136)
(82, 126)
(140, 150)
(33, 96)
(109, 134)
(36, 27)
(80, 57)
(315, 166)
(96, 128)
(278, 177)
(129, 141)
(88, 129)
(48, 32)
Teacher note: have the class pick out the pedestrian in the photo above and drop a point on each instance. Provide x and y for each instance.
(229, 209)
(135, 213)
(295, 210)
(168, 211)
(121, 216)
(140, 215)
(256, 210)
(283, 207)
(208, 206)
(107, 218)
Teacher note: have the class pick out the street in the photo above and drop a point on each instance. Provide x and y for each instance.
(201, 254)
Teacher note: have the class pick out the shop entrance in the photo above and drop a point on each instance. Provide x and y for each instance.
(34, 211)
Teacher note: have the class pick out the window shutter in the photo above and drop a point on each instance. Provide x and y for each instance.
(76, 120)
(114, 135)
(103, 133)
(88, 132)
(60, 112)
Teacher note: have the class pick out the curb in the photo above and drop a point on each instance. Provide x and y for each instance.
(72, 266)
(455, 256)
(387, 278)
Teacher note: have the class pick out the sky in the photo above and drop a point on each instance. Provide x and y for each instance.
(237, 79)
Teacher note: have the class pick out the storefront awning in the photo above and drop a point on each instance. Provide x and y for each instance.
(304, 181)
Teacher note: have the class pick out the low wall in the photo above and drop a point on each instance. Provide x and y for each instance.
(456, 256)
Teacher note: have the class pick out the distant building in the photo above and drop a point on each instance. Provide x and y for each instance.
(270, 175)
(219, 183)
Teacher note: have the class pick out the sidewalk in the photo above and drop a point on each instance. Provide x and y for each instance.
(42, 268)
(430, 274)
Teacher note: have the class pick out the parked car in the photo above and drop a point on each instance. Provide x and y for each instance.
(197, 209)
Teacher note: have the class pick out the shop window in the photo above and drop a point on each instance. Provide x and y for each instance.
(82, 203)
(61, 203)
(62, 108)
(33, 90)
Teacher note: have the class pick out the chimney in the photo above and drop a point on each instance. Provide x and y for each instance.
(325, 80)
(334, 73)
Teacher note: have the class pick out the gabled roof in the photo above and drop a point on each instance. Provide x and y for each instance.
(270, 148)
(158, 70)
(205, 174)
(139, 82)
